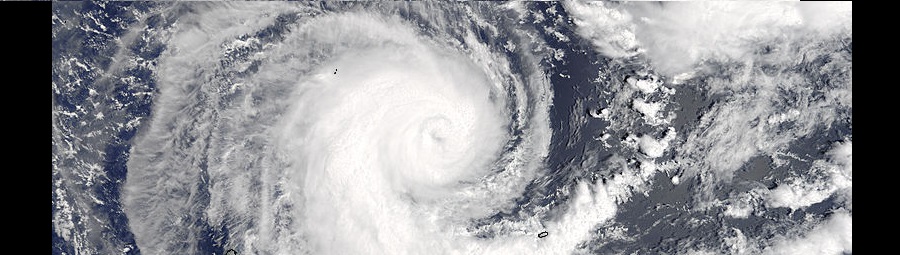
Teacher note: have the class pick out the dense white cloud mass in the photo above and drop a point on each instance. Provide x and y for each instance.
(610, 29)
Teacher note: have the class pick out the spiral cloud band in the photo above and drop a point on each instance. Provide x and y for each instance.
(347, 133)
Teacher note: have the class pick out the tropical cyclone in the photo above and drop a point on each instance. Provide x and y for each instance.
(425, 129)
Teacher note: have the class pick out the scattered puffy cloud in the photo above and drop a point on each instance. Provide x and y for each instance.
(678, 35)
(833, 236)
(832, 176)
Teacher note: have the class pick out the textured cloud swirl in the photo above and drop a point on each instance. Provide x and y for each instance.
(571, 127)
